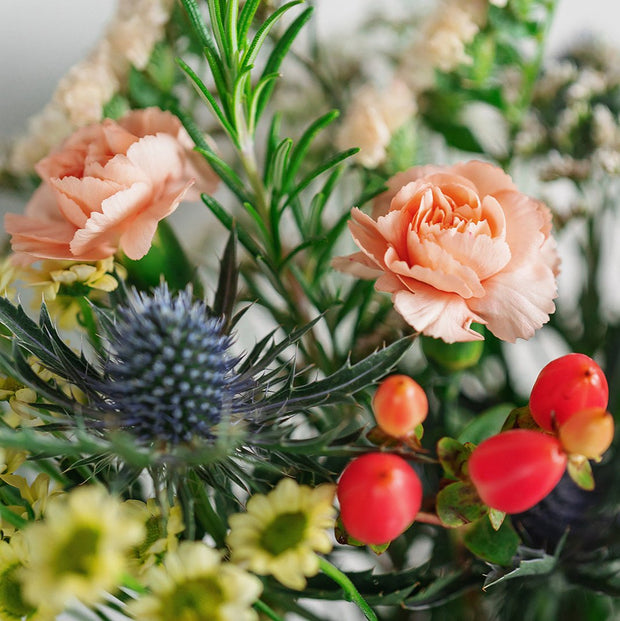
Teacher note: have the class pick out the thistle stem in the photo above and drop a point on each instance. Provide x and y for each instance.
(350, 591)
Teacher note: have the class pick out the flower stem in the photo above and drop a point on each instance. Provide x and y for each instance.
(267, 611)
(350, 591)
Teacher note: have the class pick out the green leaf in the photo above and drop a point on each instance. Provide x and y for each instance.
(278, 53)
(161, 67)
(116, 107)
(494, 546)
(226, 293)
(225, 173)
(339, 386)
(459, 503)
(313, 174)
(254, 47)
(520, 418)
(197, 22)
(542, 564)
(496, 518)
(142, 92)
(210, 100)
(453, 457)
(303, 145)
(486, 424)
(246, 16)
(227, 220)
(580, 471)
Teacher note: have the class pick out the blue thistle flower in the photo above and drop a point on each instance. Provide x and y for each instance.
(169, 374)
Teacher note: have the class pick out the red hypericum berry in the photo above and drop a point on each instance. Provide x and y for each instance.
(516, 469)
(379, 494)
(567, 385)
(399, 405)
(589, 433)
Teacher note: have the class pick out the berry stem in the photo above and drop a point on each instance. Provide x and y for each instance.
(350, 591)
(261, 607)
(428, 518)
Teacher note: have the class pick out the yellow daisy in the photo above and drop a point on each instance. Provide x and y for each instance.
(280, 533)
(13, 605)
(161, 533)
(79, 550)
(193, 584)
(61, 283)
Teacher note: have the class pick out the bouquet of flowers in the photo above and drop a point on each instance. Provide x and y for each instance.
(315, 383)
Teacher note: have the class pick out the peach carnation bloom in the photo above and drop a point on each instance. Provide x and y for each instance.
(107, 187)
(456, 245)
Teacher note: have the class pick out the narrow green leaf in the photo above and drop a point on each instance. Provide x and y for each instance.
(225, 173)
(219, 31)
(257, 219)
(272, 145)
(218, 71)
(278, 53)
(303, 145)
(252, 51)
(330, 163)
(230, 24)
(254, 98)
(540, 566)
(246, 16)
(210, 100)
(280, 163)
(197, 22)
(227, 220)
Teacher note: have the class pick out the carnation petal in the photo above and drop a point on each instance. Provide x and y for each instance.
(158, 157)
(136, 239)
(518, 303)
(434, 313)
(103, 229)
(357, 264)
(487, 178)
(77, 198)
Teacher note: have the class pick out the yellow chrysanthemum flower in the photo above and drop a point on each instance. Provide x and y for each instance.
(13, 606)
(19, 399)
(61, 283)
(193, 584)
(281, 532)
(161, 534)
(80, 549)
(11, 460)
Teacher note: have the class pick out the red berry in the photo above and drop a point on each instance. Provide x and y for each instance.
(588, 433)
(567, 385)
(400, 405)
(516, 469)
(379, 494)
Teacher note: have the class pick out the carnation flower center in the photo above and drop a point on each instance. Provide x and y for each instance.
(203, 596)
(79, 551)
(11, 599)
(284, 532)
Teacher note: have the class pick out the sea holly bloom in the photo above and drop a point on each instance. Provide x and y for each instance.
(79, 550)
(194, 584)
(455, 245)
(169, 376)
(281, 532)
(107, 188)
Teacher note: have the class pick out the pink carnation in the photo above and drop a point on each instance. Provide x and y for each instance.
(107, 187)
(456, 245)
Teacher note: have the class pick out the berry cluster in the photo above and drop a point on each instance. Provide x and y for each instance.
(380, 494)
(516, 469)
